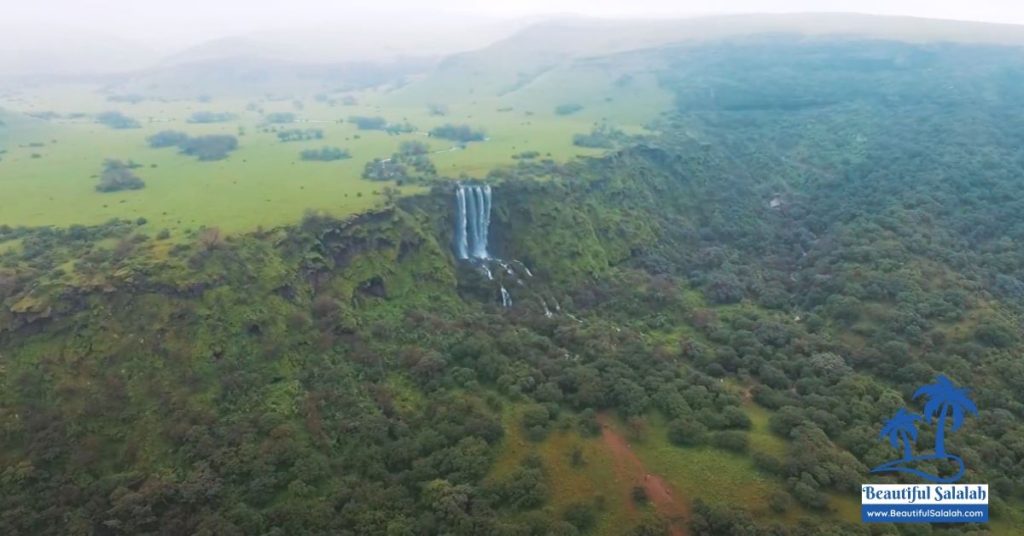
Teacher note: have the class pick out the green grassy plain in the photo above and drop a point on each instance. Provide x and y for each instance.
(48, 175)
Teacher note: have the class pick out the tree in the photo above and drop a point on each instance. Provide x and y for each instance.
(298, 134)
(117, 120)
(368, 123)
(568, 109)
(581, 515)
(166, 138)
(278, 118)
(117, 176)
(686, 432)
(459, 133)
(210, 117)
(413, 148)
(325, 154)
(210, 147)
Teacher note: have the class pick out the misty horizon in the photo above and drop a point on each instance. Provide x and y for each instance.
(125, 40)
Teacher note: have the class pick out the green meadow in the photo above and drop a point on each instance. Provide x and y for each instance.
(594, 481)
(50, 168)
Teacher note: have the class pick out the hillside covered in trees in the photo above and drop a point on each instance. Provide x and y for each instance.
(818, 228)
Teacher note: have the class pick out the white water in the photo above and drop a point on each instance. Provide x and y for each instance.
(506, 298)
(472, 221)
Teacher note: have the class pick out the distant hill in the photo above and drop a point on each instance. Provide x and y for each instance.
(356, 54)
(539, 49)
(376, 40)
(247, 75)
(39, 51)
(11, 123)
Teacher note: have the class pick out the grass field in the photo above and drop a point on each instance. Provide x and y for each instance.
(594, 481)
(715, 476)
(50, 168)
(724, 478)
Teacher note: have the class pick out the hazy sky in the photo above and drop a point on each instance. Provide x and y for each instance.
(180, 22)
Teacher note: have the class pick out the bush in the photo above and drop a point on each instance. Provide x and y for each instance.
(581, 515)
(117, 120)
(210, 117)
(525, 487)
(686, 432)
(567, 109)
(325, 154)
(779, 502)
(278, 118)
(602, 136)
(297, 134)
(166, 138)
(639, 495)
(117, 176)
(210, 147)
(459, 133)
(413, 148)
(369, 123)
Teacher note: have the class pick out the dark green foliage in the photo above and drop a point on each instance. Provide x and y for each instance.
(583, 516)
(686, 432)
(368, 123)
(603, 136)
(526, 155)
(325, 154)
(167, 138)
(205, 148)
(779, 502)
(279, 118)
(298, 134)
(639, 495)
(209, 147)
(413, 148)
(524, 488)
(459, 133)
(117, 120)
(210, 117)
(410, 164)
(117, 176)
(568, 108)
(536, 419)
(379, 123)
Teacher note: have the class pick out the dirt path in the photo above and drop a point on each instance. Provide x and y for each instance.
(631, 470)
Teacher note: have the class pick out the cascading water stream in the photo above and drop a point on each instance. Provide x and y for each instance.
(472, 221)
(472, 232)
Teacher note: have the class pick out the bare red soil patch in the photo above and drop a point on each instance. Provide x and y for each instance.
(630, 469)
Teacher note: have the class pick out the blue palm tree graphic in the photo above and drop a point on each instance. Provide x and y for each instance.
(902, 427)
(945, 402)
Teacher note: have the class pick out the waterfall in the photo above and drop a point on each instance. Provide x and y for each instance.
(472, 221)
(461, 242)
(470, 240)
